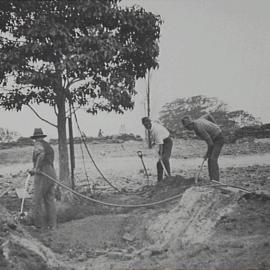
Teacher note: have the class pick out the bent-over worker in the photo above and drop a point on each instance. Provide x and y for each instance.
(207, 129)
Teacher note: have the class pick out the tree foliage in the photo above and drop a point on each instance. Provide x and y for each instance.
(87, 52)
(91, 50)
(198, 106)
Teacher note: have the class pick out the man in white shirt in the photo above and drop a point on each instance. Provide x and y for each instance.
(161, 137)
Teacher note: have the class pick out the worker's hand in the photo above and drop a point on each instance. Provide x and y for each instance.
(33, 172)
(206, 156)
(58, 193)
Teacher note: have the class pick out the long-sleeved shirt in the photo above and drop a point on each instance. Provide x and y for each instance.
(206, 130)
(159, 133)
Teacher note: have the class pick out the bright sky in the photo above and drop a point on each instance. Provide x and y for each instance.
(216, 48)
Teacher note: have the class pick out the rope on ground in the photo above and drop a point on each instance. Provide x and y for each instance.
(85, 144)
(111, 204)
(4, 192)
(86, 175)
(232, 186)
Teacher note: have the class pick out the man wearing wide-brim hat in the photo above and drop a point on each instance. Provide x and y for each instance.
(44, 188)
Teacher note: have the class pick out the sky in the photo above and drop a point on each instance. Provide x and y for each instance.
(216, 48)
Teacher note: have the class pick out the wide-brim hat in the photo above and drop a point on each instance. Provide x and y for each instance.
(38, 133)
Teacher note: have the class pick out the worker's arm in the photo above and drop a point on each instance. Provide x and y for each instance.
(160, 151)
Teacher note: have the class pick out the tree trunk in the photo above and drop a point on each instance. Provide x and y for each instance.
(71, 150)
(62, 142)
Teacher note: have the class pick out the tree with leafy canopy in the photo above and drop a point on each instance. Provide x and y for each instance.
(200, 105)
(84, 52)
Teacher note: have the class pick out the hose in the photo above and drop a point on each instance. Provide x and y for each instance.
(110, 204)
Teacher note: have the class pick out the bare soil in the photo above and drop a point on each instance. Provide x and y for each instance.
(205, 227)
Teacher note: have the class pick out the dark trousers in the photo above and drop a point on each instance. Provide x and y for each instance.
(167, 150)
(213, 168)
(43, 209)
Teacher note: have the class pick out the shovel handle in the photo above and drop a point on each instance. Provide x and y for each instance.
(140, 154)
(199, 172)
(24, 192)
(164, 168)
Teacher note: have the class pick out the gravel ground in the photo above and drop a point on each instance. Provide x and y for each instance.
(207, 228)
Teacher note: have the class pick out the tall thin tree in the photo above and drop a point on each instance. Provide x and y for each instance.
(148, 96)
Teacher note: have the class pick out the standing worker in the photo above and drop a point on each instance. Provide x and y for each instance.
(44, 188)
(161, 137)
(207, 130)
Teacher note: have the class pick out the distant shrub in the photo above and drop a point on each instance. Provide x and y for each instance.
(197, 106)
(24, 141)
(138, 138)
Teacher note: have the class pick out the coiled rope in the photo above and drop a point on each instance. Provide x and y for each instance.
(86, 175)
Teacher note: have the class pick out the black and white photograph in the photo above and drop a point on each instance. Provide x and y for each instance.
(134, 135)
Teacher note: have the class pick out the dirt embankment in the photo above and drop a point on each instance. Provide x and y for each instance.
(204, 228)
(208, 228)
(20, 251)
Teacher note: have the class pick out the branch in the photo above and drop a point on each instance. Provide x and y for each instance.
(55, 111)
(41, 117)
(72, 82)
(74, 110)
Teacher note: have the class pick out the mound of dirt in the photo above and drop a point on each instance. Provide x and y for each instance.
(213, 229)
(20, 251)
(193, 219)
(207, 228)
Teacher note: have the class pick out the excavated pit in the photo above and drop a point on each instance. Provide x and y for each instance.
(208, 228)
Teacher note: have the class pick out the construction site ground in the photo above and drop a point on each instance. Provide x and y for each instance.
(206, 227)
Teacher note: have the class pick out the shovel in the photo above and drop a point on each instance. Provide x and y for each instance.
(199, 172)
(22, 214)
(140, 155)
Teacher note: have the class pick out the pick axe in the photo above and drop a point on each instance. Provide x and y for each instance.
(140, 155)
(164, 168)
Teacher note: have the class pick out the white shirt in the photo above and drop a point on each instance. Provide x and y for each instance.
(159, 133)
